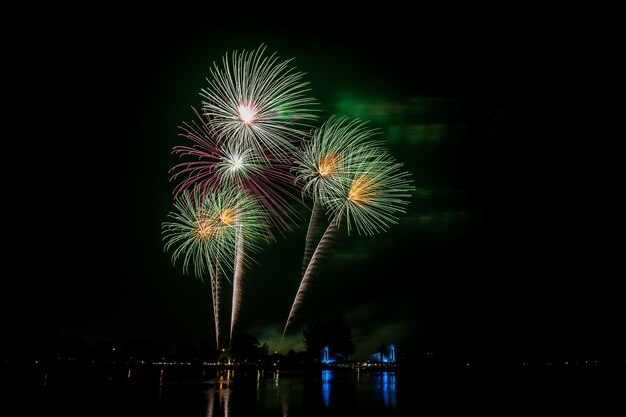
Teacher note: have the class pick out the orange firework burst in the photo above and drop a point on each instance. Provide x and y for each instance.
(362, 190)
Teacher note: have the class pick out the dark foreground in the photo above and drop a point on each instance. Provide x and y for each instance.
(72, 389)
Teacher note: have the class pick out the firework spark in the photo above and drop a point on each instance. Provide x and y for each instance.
(196, 233)
(371, 199)
(258, 102)
(338, 148)
(229, 165)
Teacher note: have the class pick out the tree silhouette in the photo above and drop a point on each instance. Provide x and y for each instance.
(246, 348)
(334, 333)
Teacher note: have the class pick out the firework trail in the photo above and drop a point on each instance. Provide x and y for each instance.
(215, 295)
(318, 255)
(237, 284)
(251, 227)
(311, 235)
(355, 180)
(203, 231)
(258, 102)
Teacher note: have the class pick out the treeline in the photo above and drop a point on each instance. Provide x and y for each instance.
(68, 347)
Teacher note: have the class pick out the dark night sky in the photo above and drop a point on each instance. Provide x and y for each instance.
(498, 252)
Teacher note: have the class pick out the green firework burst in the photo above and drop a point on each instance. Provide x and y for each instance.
(258, 101)
(369, 198)
(203, 230)
(339, 148)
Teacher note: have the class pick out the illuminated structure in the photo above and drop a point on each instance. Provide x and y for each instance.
(389, 358)
(326, 356)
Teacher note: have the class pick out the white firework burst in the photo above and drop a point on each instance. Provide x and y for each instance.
(259, 102)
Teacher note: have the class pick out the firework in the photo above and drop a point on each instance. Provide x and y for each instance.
(195, 234)
(337, 149)
(258, 102)
(356, 181)
(204, 229)
(231, 166)
(370, 198)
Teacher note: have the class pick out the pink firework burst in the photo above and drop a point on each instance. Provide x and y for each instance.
(225, 164)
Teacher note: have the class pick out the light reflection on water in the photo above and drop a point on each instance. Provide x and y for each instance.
(218, 397)
(287, 396)
(73, 390)
(327, 377)
(384, 386)
(212, 392)
(388, 388)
